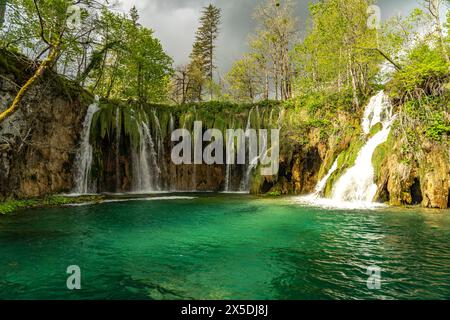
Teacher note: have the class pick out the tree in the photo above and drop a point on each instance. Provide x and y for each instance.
(46, 28)
(181, 85)
(277, 30)
(245, 80)
(196, 70)
(433, 8)
(335, 55)
(259, 51)
(132, 63)
(203, 52)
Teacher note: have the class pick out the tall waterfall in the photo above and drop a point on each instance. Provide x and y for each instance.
(146, 171)
(357, 183)
(117, 148)
(356, 187)
(84, 154)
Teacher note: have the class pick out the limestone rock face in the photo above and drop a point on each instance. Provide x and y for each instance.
(38, 143)
(38, 147)
(420, 178)
(435, 177)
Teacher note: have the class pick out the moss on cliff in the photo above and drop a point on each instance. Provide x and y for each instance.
(381, 154)
(345, 160)
(12, 205)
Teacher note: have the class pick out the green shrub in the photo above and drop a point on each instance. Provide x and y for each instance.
(423, 68)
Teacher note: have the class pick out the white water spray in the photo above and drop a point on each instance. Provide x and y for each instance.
(146, 171)
(356, 188)
(322, 183)
(84, 154)
(357, 183)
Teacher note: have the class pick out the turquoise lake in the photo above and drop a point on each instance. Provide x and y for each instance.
(212, 246)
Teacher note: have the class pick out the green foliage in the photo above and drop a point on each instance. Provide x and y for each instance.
(338, 43)
(118, 115)
(421, 75)
(12, 205)
(134, 64)
(381, 153)
(245, 79)
(438, 128)
(202, 65)
(274, 194)
(375, 129)
(109, 53)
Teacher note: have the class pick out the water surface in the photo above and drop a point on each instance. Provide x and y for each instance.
(224, 247)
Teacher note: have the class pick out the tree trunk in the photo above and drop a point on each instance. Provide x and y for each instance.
(23, 90)
(353, 80)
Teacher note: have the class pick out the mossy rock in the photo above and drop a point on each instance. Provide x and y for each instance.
(13, 205)
(346, 160)
(380, 155)
(375, 129)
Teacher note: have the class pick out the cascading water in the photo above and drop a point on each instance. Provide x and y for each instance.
(117, 148)
(356, 188)
(171, 124)
(146, 171)
(84, 155)
(378, 110)
(322, 183)
(357, 183)
(160, 147)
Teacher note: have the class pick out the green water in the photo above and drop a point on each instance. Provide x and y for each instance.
(224, 247)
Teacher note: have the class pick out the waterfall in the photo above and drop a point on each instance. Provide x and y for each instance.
(357, 183)
(171, 124)
(160, 148)
(322, 183)
(378, 110)
(356, 188)
(228, 168)
(84, 154)
(159, 135)
(117, 147)
(146, 171)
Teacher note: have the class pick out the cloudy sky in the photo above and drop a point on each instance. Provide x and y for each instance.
(175, 23)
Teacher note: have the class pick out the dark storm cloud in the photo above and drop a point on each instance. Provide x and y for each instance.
(175, 23)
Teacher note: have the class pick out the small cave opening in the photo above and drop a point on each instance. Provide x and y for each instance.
(313, 160)
(416, 192)
(266, 186)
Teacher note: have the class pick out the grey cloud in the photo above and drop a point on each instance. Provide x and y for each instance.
(175, 23)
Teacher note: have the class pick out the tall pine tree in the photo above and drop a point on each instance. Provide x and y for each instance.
(205, 43)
